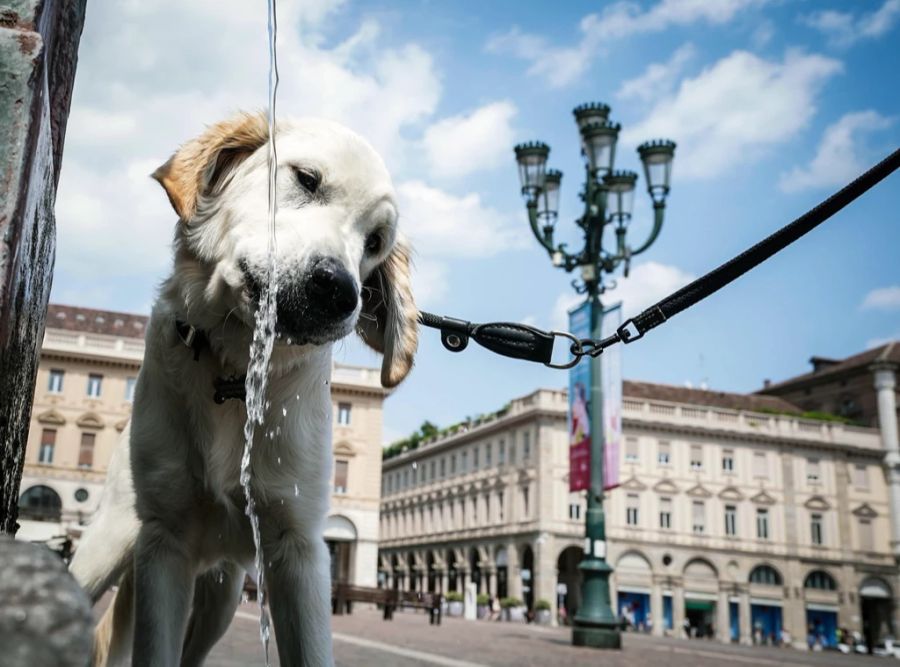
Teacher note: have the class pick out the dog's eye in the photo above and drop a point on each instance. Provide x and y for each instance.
(308, 179)
(374, 243)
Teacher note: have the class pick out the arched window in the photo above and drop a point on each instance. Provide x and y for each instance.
(765, 574)
(820, 580)
(40, 503)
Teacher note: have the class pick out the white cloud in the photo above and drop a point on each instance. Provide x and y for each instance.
(882, 298)
(658, 79)
(646, 284)
(837, 160)
(441, 224)
(733, 110)
(429, 281)
(844, 29)
(560, 66)
(461, 145)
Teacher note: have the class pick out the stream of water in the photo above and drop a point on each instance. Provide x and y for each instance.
(263, 341)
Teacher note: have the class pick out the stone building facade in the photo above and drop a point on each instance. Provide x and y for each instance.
(82, 402)
(732, 516)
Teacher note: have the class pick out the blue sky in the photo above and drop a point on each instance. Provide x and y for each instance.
(774, 104)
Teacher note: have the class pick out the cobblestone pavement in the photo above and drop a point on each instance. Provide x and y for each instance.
(363, 639)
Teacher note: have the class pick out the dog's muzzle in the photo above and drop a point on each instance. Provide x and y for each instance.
(313, 308)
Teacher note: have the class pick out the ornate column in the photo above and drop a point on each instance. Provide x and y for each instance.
(744, 616)
(656, 608)
(445, 580)
(513, 571)
(723, 624)
(677, 608)
(885, 384)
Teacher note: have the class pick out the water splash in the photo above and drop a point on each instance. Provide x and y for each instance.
(263, 340)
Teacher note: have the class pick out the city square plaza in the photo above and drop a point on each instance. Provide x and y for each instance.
(363, 638)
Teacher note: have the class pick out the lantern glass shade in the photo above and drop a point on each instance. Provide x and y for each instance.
(657, 157)
(620, 194)
(592, 112)
(532, 161)
(599, 145)
(548, 199)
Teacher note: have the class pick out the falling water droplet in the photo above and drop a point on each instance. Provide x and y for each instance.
(290, 341)
(296, 490)
(277, 430)
(279, 460)
(283, 411)
(268, 404)
(298, 397)
(282, 501)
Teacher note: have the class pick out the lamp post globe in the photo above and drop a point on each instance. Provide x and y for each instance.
(608, 196)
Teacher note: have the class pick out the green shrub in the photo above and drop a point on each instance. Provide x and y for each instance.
(483, 599)
(453, 596)
(542, 605)
(506, 603)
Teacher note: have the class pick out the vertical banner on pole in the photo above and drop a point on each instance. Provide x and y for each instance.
(611, 365)
(579, 406)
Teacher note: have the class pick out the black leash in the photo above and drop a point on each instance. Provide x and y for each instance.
(521, 341)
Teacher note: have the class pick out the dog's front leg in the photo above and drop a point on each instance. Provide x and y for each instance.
(299, 585)
(164, 585)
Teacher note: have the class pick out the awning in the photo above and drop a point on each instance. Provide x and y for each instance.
(813, 606)
(699, 605)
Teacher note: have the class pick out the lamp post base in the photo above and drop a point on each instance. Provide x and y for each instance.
(594, 637)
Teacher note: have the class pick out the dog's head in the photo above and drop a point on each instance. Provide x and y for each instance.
(341, 263)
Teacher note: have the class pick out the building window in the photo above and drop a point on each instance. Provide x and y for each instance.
(665, 513)
(48, 444)
(81, 495)
(728, 461)
(820, 580)
(465, 462)
(431, 471)
(696, 458)
(631, 450)
(575, 511)
(730, 520)
(813, 474)
(664, 453)
(86, 452)
(861, 476)
(760, 469)
(698, 516)
(406, 479)
(475, 456)
(474, 511)
(866, 535)
(488, 455)
(501, 452)
(526, 446)
(500, 506)
(55, 384)
(344, 414)
(487, 507)
(462, 513)
(130, 384)
(40, 503)
(525, 502)
(512, 451)
(766, 575)
(422, 470)
(453, 464)
(443, 468)
(93, 385)
(762, 523)
(815, 528)
(631, 509)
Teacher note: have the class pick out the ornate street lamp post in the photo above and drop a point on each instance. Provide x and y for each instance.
(608, 197)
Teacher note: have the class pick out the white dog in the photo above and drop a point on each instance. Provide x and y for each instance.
(171, 528)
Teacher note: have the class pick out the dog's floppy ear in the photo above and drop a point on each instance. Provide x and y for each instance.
(389, 322)
(202, 165)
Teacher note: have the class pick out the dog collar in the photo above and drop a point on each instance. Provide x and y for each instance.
(225, 388)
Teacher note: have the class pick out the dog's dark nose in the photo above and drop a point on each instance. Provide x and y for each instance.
(331, 288)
